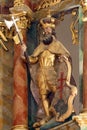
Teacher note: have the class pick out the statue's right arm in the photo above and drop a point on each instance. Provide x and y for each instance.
(33, 59)
(35, 55)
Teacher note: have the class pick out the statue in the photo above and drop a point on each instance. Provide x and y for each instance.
(44, 63)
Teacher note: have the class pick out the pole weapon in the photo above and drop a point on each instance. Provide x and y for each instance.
(9, 24)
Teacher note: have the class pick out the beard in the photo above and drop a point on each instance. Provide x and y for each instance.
(47, 39)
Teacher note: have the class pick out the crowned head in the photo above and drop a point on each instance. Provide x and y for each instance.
(48, 29)
(48, 21)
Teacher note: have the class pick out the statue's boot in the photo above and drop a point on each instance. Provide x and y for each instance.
(42, 122)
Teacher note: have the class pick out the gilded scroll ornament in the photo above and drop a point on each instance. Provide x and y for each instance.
(27, 14)
(2, 36)
(47, 3)
(74, 27)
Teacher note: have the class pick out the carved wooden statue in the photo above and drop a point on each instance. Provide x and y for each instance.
(52, 84)
(49, 62)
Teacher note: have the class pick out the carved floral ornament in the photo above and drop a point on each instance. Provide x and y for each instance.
(47, 3)
(41, 10)
(81, 119)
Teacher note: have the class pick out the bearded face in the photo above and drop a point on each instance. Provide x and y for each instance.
(47, 37)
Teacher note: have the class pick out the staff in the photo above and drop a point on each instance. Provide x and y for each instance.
(9, 24)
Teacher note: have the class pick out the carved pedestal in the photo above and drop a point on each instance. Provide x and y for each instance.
(81, 119)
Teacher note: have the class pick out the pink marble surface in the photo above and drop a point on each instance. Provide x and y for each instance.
(85, 68)
(20, 105)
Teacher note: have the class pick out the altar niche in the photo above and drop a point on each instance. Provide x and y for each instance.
(63, 34)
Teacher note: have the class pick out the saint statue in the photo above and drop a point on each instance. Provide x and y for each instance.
(49, 61)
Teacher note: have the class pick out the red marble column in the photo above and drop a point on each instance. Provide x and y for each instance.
(20, 98)
(85, 68)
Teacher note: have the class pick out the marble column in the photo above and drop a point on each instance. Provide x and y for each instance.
(85, 68)
(81, 119)
(20, 99)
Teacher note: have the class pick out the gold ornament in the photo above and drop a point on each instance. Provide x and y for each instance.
(19, 127)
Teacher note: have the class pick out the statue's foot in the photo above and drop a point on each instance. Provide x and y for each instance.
(42, 122)
(59, 118)
(36, 124)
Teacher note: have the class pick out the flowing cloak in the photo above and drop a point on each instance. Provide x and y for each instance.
(63, 91)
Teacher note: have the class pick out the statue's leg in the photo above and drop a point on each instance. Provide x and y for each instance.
(45, 104)
(43, 88)
(46, 109)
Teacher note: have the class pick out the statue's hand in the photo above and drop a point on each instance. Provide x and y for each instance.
(23, 48)
(60, 119)
(36, 124)
(63, 58)
(23, 59)
(41, 122)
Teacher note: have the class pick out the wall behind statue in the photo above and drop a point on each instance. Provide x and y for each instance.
(64, 35)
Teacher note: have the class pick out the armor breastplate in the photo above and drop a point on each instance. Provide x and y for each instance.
(47, 59)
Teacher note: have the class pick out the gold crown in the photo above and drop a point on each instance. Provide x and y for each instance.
(48, 21)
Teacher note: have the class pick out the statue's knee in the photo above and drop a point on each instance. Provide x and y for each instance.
(43, 97)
